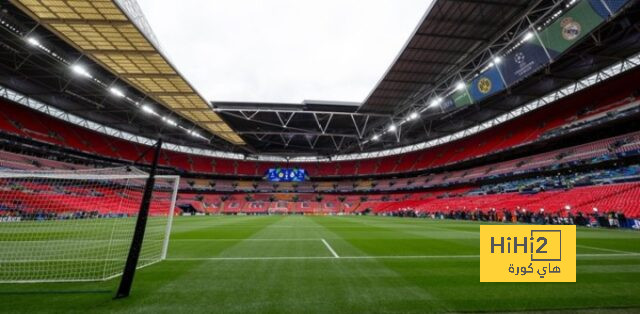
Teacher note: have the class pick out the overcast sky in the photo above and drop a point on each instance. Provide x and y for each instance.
(283, 50)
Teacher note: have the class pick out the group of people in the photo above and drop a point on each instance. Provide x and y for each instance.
(12, 214)
(596, 219)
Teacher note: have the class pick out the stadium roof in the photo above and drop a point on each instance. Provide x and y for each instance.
(449, 34)
(454, 40)
(105, 33)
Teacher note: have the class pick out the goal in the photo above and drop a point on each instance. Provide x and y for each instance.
(78, 225)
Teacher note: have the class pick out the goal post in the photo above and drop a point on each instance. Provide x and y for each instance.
(78, 225)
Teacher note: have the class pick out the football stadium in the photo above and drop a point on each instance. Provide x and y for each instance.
(123, 189)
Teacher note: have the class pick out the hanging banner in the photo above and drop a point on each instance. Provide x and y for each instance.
(457, 100)
(602, 7)
(523, 61)
(570, 28)
(448, 104)
(461, 98)
(486, 84)
(616, 5)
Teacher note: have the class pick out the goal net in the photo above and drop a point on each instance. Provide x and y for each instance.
(78, 225)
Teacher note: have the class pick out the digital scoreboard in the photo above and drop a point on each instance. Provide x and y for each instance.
(286, 175)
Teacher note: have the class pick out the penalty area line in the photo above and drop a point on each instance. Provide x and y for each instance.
(330, 248)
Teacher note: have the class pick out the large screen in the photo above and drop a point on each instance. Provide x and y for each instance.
(286, 175)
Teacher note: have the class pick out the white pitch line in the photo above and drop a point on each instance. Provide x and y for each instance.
(256, 258)
(604, 249)
(240, 240)
(330, 248)
(364, 257)
(608, 255)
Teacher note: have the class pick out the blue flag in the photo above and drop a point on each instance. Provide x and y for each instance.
(486, 84)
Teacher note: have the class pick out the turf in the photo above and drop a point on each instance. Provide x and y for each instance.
(280, 264)
(74, 249)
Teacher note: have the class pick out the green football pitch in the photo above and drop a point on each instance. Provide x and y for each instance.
(297, 264)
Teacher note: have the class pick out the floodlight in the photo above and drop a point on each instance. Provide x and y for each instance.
(147, 109)
(116, 92)
(435, 102)
(80, 70)
(528, 36)
(33, 41)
